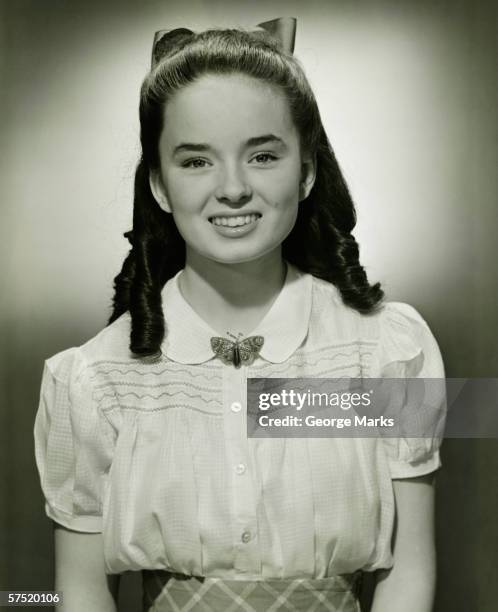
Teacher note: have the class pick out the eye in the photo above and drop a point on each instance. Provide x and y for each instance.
(190, 163)
(269, 157)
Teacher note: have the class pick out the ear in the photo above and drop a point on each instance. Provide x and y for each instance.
(308, 176)
(158, 191)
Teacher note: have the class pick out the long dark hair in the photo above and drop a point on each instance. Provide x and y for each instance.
(320, 243)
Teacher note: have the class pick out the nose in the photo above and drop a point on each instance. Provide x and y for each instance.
(233, 186)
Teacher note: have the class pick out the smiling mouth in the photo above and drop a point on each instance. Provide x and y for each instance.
(233, 221)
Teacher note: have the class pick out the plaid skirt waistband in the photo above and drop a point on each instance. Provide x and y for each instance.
(169, 592)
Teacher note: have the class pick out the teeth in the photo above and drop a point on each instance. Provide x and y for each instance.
(234, 221)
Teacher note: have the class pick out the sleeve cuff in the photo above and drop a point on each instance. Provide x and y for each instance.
(403, 469)
(86, 524)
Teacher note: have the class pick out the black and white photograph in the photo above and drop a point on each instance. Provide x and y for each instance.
(249, 307)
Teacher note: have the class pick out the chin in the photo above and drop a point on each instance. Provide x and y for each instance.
(236, 260)
(240, 257)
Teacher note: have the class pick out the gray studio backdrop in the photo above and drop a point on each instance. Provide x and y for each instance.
(407, 92)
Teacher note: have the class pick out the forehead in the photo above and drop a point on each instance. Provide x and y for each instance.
(226, 109)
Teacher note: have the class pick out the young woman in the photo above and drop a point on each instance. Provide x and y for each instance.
(241, 231)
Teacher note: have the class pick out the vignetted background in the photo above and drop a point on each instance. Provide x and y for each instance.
(407, 92)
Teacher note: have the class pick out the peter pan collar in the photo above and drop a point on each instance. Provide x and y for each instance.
(284, 327)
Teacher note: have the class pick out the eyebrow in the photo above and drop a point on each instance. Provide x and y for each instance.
(252, 142)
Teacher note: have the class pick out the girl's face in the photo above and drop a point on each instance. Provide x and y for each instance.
(231, 169)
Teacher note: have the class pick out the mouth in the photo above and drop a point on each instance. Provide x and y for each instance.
(234, 220)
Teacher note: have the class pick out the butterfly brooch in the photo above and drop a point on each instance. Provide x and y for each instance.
(239, 351)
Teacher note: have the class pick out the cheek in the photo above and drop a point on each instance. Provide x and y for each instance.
(182, 190)
(285, 203)
(284, 188)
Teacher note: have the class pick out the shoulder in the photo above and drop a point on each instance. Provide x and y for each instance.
(402, 315)
(396, 331)
(332, 318)
(400, 322)
(406, 343)
(109, 344)
(329, 308)
(388, 317)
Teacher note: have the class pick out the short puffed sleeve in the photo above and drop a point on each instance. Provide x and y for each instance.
(73, 443)
(408, 350)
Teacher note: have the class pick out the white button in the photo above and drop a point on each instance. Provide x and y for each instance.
(240, 468)
(236, 407)
(246, 536)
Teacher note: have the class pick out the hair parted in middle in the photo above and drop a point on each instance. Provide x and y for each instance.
(321, 242)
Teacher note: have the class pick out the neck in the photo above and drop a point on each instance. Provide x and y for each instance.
(232, 297)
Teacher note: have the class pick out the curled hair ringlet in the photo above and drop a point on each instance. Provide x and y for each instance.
(321, 242)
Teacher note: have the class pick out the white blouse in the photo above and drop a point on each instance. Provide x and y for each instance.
(156, 455)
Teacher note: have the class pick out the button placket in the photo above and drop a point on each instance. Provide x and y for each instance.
(247, 557)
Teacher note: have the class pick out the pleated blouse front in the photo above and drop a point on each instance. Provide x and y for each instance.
(156, 455)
